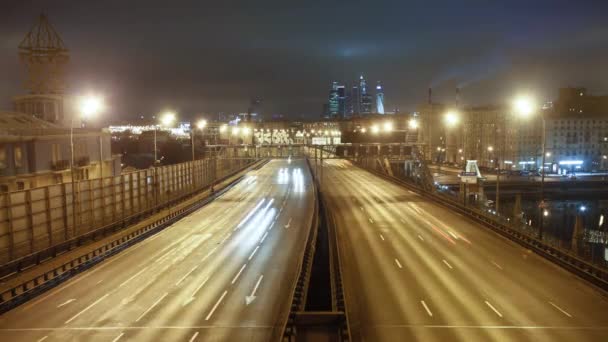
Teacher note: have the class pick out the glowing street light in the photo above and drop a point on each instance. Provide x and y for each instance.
(223, 128)
(375, 129)
(413, 124)
(451, 118)
(548, 154)
(201, 124)
(167, 118)
(89, 106)
(388, 126)
(524, 106)
(363, 130)
(490, 148)
(235, 131)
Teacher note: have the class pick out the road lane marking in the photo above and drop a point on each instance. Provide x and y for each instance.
(263, 237)
(195, 292)
(118, 337)
(253, 253)
(447, 264)
(420, 237)
(288, 223)
(66, 302)
(193, 337)
(43, 338)
(99, 282)
(186, 275)
(238, 274)
(252, 296)
(398, 263)
(87, 308)
(382, 237)
(209, 254)
(216, 305)
(226, 238)
(371, 221)
(560, 309)
(152, 307)
(250, 214)
(493, 309)
(497, 265)
(428, 311)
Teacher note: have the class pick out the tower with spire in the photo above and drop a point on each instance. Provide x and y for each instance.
(45, 58)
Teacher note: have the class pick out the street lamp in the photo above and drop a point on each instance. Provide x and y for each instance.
(451, 118)
(525, 106)
(166, 120)
(412, 124)
(375, 129)
(200, 124)
(388, 126)
(89, 106)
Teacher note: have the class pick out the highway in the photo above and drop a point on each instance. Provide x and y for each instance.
(223, 273)
(414, 271)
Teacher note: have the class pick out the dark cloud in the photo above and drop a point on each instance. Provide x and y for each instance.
(210, 56)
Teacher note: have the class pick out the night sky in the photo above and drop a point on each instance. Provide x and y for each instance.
(210, 56)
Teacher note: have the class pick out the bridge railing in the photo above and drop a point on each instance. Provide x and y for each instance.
(39, 223)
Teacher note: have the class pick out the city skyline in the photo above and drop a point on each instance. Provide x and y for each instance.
(195, 77)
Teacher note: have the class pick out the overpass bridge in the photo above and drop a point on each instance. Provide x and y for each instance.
(298, 248)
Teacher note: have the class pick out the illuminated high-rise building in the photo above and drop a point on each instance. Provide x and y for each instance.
(365, 106)
(333, 101)
(379, 99)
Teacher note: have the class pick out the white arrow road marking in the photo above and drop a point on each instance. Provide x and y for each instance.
(251, 297)
(66, 303)
(195, 291)
(288, 223)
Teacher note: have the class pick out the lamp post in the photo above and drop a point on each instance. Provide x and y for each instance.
(89, 106)
(200, 125)
(165, 120)
(525, 106)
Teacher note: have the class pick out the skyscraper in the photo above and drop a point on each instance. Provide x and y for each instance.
(366, 100)
(379, 99)
(341, 101)
(354, 100)
(333, 101)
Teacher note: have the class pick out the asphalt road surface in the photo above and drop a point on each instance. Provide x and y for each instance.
(224, 273)
(414, 271)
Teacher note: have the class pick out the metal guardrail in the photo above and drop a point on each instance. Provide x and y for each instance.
(27, 290)
(35, 258)
(299, 291)
(592, 273)
(336, 267)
